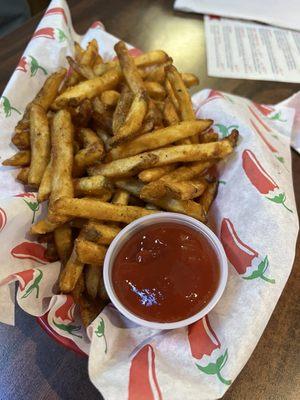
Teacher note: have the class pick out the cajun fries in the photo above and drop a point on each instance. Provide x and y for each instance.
(111, 142)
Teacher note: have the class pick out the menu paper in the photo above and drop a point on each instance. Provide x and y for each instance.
(243, 50)
(254, 215)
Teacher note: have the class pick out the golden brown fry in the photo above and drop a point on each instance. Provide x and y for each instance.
(122, 109)
(121, 197)
(87, 89)
(208, 137)
(186, 190)
(84, 71)
(63, 241)
(92, 186)
(21, 139)
(153, 174)
(78, 51)
(171, 94)
(185, 153)
(104, 136)
(46, 184)
(101, 115)
(20, 159)
(48, 92)
(62, 161)
(81, 115)
(159, 138)
(208, 196)
(89, 56)
(96, 209)
(133, 121)
(189, 79)
(92, 274)
(92, 152)
(99, 233)
(153, 118)
(89, 252)
(155, 90)
(23, 175)
(71, 273)
(169, 113)
(110, 98)
(40, 144)
(43, 226)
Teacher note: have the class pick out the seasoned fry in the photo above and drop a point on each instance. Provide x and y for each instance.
(20, 159)
(153, 174)
(87, 89)
(99, 233)
(89, 252)
(43, 226)
(23, 175)
(92, 277)
(208, 137)
(110, 98)
(195, 152)
(186, 190)
(62, 161)
(63, 242)
(92, 186)
(189, 79)
(78, 51)
(121, 197)
(84, 71)
(155, 90)
(101, 115)
(46, 184)
(208, 196)
(48, 93)
(40, 144)
(96, 209)
(71, 273)
(104, 136)
(21, 139)
(171, 95)
(82, 114)
(169, 113)
(159, 138)
(122, 109)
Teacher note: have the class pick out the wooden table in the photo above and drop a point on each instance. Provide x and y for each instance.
(32, 365)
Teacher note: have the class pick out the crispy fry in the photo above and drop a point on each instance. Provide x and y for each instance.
(43, 226)
(96, 209)
(82, 114)
(122, 108)
(208, 196)
(89, 252)
(104, 136)
(195, 152)
(84, 71)
(40, 144)
(159, 138)
(153, 118)
(121, 197)
(189, 79)
(71, 273)
(92, 186)
(133, 121)
(101, 115)
(155, 90)
(208, 137)
(186, 190)
(171, 94)
(63, 242)
(87, 89)
(169, 113)
(62, 161)
(78, 51)
(48, 93)
(46, 184)
(99, 233)
(92, 276)
(110, 98)
(23, 175)
(20, 159)
(153, 174)
(21, 139)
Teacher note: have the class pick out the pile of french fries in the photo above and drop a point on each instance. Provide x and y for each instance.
(106, 143)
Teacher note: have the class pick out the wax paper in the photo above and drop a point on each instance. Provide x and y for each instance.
(254, 215)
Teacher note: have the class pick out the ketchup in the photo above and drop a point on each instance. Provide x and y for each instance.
(165, 272)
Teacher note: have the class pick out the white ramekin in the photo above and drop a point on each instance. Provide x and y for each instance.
(134, 227)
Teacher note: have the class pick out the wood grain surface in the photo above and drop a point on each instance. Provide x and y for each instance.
(35, 367)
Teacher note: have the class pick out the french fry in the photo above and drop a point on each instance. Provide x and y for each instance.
(84, 71)
(169, 113)
(208, 137)
(121, 197)
(43, 226)
(104, 136)
(51, 252)
(208, 196)
(46, 184)
(20, 159)
(63, 242)
(89, 309)
(87, 89)
(82, 114)
(153, 174)
(78, 51)
(101, 115)
(153, 118)
(78, 290)
(159, 138)
(171, 94)
(62, 161)
(186, 190)
(21, 139)
(48, 93)
(92, 276)
(133, 121)
(189, 79)
(92, 186)
(95, 209)
(110, 98)
(77, 223)
(92, 152)
(122, 108)
(184, 153)
(99, 233)
(23, 175)
(89, 252)
(40, 144)
(155, 90)
(71, 273)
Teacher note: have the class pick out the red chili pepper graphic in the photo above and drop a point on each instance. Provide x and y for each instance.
(66, 311)
(202, 339)
(260, 179)
(213, 95)
(267, 128)
(3, 219)
(24, 278)
(58, 11)
(265, 110)
(22, 64)
(97, 25)
(25, 195)
(143, 384)
(48, 33)
(240, 255)
(260, 134)
(30, 251)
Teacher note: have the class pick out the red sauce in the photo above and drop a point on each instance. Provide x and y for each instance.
(165, 272)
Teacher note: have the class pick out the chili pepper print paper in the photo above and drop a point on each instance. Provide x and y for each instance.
(254, 216)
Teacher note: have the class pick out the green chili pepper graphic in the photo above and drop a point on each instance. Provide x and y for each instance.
(225, 130)
(61, 35)
(215, 368)
(68, 328)
(259, 272)
(100, 332)
(8, 108)
(277, 117)
(34, 285)
(34, 206)
(35, 66)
